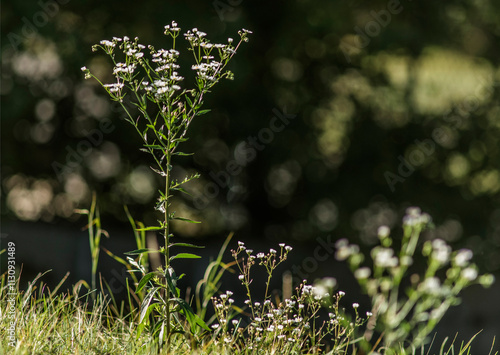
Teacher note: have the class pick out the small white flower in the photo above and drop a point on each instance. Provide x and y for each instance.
(83, 68)
(369, 314)
(288, 248)
(383, 232)
(469, 274)
(260, 255)
(241, 277)
(431, 285)
(362, 273)
(355, 305)
(282, 245)
(341, 293)
(272, 251)
(463, 256)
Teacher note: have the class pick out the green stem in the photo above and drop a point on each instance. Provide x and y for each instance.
(167, 232)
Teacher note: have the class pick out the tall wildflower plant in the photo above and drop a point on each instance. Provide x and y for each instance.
(407, 305)
(166, 109)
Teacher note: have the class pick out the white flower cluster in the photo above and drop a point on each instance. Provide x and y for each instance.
(194, 36)
(165, 80)
(384, 257)
(172, 28)
(414, 217)
(124, 68)
(115, 88)
(345, 250)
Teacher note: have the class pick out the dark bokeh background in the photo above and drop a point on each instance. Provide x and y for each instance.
(394, 104)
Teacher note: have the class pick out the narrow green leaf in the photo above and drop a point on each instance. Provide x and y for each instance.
(183, 154)
(157, 228)
(189, 101)
(141, 251)
(154, 146)
(184, 256)
(192, 318)
(145, 306)
(186, 220)
(185, 245)
(202, 112)
(117, 258)
(145, 279)
(172, 282)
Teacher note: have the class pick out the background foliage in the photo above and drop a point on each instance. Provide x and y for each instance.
(364, 89)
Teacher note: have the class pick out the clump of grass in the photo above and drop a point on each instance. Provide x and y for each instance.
(313, 321)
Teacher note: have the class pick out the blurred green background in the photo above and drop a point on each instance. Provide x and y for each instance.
(390, 104)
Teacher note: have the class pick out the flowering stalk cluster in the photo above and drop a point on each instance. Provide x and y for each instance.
(166, 109)
(428, 297)
(290, 326)
(269, 260)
